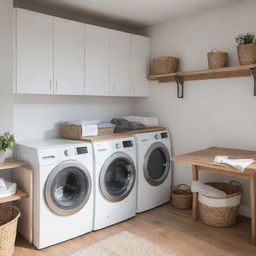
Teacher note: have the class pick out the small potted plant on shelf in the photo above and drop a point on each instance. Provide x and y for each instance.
(6, 146)
(246, 48)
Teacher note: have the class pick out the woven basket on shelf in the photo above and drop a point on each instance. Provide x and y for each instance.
(221, 211)
(163, 65)
(182, 197)
(247, 53)
(217, 59)
(9, 216)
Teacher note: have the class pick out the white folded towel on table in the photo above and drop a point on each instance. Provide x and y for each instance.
(239, 164)
(206, 190)
(7, 188)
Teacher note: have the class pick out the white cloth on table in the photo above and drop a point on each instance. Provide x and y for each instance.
(239, 164)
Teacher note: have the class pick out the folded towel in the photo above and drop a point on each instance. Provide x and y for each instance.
(7, 188)
(239, 164)
(206, 190)
(83, 122)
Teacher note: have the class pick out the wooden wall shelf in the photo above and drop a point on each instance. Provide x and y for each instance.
(227, 72)
(19, 195)
(12, 164)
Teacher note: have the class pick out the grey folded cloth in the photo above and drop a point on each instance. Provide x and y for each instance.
(123, 125)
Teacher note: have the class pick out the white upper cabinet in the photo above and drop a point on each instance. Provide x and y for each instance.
(97, 61)
(68, 57)
(120, 63)
(64, 57)
(140, 60)
(34, 53)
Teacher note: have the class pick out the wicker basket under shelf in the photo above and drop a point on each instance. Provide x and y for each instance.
(182, 197)
(9, 216)
(224, 216)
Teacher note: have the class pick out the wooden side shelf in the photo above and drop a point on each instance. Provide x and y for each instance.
(19, 195)
(12, 164)
(227, 72)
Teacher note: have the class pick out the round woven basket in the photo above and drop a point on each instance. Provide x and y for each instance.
(247, 53)
(182, 197)
(9, 216)
(217, 59)
(163, 65)
(224, 216)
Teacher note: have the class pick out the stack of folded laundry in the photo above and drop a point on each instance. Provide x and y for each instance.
(7, 188)
(89, 128)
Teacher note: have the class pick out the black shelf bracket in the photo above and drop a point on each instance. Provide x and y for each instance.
(253, 70)
(180, 86)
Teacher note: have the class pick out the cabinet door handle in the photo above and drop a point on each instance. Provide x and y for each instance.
(56, 86)
(50, 85)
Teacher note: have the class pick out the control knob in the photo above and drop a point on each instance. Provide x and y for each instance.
(118, 145)
(68, 152)
(157, 137)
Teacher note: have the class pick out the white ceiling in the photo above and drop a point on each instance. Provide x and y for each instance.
(140, 13)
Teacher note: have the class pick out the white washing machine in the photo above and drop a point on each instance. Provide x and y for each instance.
(63, 188)
(154, 169)
(115, 181)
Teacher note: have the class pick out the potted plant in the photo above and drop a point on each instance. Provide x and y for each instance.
(6, 146)
(246, 48)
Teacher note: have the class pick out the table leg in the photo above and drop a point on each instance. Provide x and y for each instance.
(195, 195)
(253, 206)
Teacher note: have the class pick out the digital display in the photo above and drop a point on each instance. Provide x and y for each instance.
(81, 150)
(127, 144)
(164, 135)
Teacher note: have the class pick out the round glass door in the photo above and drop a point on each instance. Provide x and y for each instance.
(117, 177)
(68, 188)
(156, 164)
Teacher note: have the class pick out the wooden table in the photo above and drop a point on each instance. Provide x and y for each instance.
(203, 160)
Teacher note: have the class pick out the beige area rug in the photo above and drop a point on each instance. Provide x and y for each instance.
(123, 244)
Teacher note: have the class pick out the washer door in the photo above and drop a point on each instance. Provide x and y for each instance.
(117, 177)
(156, 164)
(68, 188)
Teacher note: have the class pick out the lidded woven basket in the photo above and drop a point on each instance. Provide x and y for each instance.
(164, 65)
(182, 197)
(217, 59)
(221, 211)
(9, 216)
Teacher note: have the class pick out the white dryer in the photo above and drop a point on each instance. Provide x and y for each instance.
(63, 188)
(115, 181)
(154, 169)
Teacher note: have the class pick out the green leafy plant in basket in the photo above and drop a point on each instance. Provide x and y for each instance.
(6, 146)
(246, 48)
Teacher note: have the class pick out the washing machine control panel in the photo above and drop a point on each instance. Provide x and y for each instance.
(127, 144)
(157, 137)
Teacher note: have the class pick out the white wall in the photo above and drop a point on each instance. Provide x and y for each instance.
(213, 112)
(36, 117)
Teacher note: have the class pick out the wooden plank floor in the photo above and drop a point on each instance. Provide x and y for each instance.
(167, 227)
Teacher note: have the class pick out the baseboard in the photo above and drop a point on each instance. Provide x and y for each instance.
(245, 211)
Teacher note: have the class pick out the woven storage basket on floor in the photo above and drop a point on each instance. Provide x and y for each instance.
(9, 216)
(221, 211)
(217, 59)
(182, 198)
(163, 65)
(247, 53)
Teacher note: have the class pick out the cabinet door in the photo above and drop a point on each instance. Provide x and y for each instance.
(34, 53)
(140, 60)
(68, 57)
(120, 63)
(97, 61)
